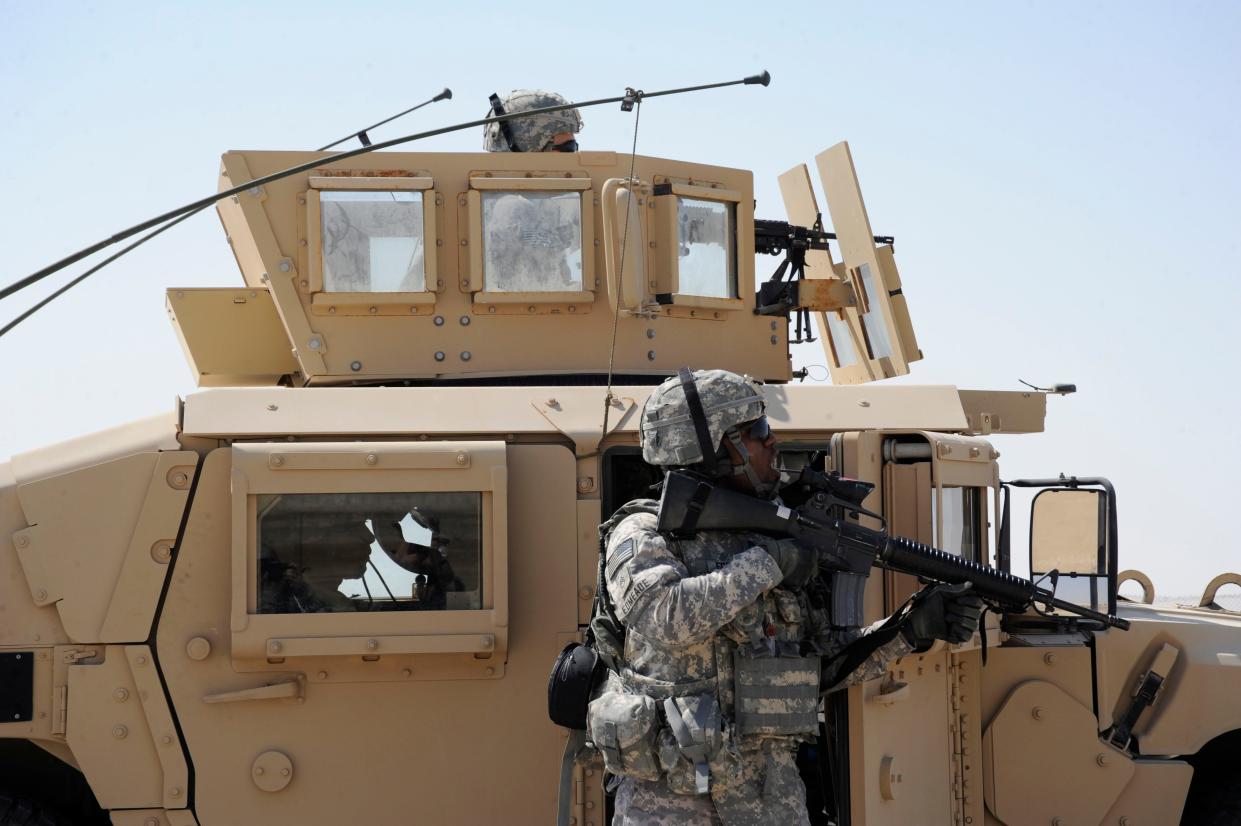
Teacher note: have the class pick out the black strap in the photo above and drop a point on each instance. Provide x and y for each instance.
(697, 414)
(497, 108)
(693, 510)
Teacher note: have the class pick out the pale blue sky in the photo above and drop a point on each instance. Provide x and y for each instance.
(1061, 178)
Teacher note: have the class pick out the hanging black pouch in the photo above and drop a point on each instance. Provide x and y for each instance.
(573, 678)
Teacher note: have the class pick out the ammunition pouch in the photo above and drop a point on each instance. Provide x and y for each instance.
(574, 675)
(776, 695)
(623, 729)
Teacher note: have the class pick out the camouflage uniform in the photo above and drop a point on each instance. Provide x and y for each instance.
(707, 625)
(691, 608)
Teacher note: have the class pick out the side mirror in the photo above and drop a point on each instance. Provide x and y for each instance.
(1068, 532)
(1073, 533)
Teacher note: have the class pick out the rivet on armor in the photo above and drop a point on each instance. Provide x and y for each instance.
(272, 771)
(322, 675)
(355, 366)
(1101, 759)
(1036, 713)
(276, 460)
(175, 791)
(161, 551)
(40, 595)
(120, 695)
(273, 407)
(372, 645)
(465, 355)
(120, 732)
(198, 649)
(166, 739)
(23, 541)
(650, 333)
(285, 266)
(275, 646)
(463, 458)
(140, 660)
(1049, 658)
(439, 355)
(464, 320)
(373, 310)
(372, 459)
(650, 355)
(407, 672)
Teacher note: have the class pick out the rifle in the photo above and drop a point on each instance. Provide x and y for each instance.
(846, 549)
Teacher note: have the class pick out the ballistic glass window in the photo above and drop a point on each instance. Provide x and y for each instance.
(339, 552)
(872, 320)
(372, 241)
(706, 248)
(962, 518)
(532, 241)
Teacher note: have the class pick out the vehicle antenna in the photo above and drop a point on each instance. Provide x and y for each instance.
(365, 139)
(360, 135)
(760, 79)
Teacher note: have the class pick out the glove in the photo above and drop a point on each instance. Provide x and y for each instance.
(942, 612)
(797, 562)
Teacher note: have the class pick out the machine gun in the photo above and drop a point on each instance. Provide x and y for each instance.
(776, 296)
(846, 549)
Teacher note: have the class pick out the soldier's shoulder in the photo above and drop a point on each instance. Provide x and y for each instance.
(633, 518)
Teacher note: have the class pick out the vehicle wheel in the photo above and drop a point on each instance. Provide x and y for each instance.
(16, 810)
(1216, 803)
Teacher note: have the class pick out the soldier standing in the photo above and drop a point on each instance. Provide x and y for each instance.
(724, 659)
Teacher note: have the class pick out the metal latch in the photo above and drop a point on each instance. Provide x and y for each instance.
(1144, 696)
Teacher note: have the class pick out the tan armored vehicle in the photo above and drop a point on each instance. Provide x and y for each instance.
(328, 587)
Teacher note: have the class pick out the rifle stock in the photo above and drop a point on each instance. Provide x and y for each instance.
(846, 549)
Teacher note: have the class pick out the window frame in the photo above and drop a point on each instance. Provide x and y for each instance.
(415, 302)
(667, 225)
(369, 467)
(473, 277)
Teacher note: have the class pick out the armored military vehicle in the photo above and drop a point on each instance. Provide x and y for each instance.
(328, 586)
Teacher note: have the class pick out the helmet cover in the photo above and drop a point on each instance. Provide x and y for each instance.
(535, 133)
(668, 435)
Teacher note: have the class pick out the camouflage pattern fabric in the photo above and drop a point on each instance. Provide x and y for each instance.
(535, 133)
(667, 431)
(691, 608)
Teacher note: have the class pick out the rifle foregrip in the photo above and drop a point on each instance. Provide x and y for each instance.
(911, 557)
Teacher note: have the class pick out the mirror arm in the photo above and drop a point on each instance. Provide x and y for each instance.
(1004, 553)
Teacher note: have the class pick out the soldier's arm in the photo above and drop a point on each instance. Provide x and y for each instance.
(655, 595)
(871, 667)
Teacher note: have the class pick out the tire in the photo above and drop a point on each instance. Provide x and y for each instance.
(1214, 802)
(17, 810)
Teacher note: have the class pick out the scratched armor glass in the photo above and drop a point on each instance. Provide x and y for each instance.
(532, 241)
(707, 250)
(872, 320)
(336, 552)
(372, 242)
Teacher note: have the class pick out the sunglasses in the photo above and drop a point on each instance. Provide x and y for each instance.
(760, 428)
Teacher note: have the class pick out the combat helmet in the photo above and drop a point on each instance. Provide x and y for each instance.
(532, 134)
(687, 418)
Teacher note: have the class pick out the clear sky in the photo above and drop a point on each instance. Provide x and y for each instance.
(1062, 180)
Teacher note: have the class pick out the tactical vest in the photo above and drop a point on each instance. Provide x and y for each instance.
(692, 733)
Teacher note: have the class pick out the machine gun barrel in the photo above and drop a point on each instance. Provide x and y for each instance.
(692, 504)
